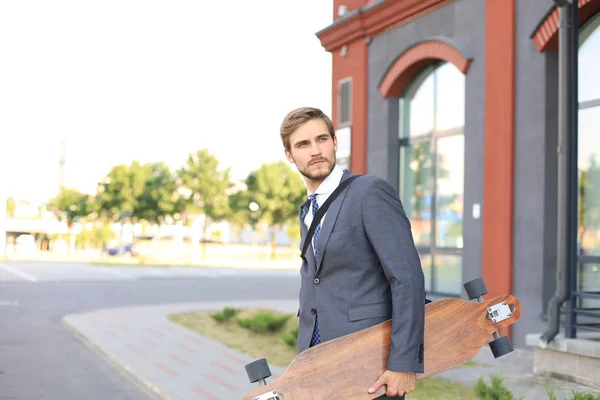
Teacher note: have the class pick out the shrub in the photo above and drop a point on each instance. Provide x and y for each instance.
(495, 391)
(264, 322)
(225, 315)
(291, 338)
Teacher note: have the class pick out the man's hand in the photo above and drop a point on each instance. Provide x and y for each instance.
(398, 383)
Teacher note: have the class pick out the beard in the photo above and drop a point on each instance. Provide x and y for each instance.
(321, 172)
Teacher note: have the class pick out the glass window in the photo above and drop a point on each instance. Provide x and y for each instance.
(432, 171)
(589, 61)
(588, 149)
(449, 98)
(450, 174)
(589, 281)
(415, 191)
(589, 181)
(588, 162)
(447, 273)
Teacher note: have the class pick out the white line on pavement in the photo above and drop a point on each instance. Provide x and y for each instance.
(8, 303)
(121, 274)
(21, 274)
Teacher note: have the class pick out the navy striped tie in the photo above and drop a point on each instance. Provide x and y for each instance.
(316, 338)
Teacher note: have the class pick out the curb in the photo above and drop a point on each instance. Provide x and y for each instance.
(147, 386)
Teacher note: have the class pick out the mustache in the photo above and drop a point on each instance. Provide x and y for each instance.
(318, 160)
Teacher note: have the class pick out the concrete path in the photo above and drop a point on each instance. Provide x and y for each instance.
(177, 364)
(169, 359)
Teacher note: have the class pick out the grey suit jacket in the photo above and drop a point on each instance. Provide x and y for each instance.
(368, 271)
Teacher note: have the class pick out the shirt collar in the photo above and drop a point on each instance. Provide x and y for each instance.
(331, 182)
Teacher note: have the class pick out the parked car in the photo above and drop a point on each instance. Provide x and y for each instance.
(126, 250)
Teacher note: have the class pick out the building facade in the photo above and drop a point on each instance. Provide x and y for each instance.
(455, 103)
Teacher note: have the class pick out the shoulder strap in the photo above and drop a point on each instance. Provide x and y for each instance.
(323, 209)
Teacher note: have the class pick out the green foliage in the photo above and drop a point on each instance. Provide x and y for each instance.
(11, 205)
(584, 396)
(495, 391)
(97, 237)
(589, 196)
(264, 322)
(70, 204)
(240, 212)
(120, 190)
(159, 197)
(207, 184)
(226, 315)
(143, 191)
(291, 338)
(278, 191)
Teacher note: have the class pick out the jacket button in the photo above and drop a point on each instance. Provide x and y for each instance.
(316, 281)
(313, 311)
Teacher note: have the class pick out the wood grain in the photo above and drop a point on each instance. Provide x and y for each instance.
(455, 331)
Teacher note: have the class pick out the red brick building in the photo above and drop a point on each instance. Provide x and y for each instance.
(454, 102)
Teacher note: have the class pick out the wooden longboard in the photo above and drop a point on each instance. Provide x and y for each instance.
(344, 368)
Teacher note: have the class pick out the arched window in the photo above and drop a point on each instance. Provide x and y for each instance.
(431, 133)
(588, 160)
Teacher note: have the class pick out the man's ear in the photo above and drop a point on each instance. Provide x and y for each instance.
(335, 143)
(288, 155)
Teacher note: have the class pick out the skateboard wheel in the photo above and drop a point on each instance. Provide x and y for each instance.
(475, 288)
(258, 370)
(501, 346)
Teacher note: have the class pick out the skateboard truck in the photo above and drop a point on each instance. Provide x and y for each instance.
(500, 346)
(259, 371)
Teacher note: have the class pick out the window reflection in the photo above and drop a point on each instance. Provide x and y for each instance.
(415, 189)
(588, 235)
(431, 171)
(449, 191)
(589, 61)
(417, 107)
(449, 98)
(589, 281)
(447, 273)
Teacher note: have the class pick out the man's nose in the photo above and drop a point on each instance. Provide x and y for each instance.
(315, 148)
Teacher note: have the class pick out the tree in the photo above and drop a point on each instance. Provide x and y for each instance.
(243, 209)
(207, 187)
(141, 191)
(11, 205)
(70, 205)
(159, 197)
(119, 193)
(279, 192)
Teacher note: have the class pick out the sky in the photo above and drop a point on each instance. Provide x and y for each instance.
(151, 80)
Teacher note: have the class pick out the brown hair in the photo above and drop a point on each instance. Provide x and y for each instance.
(295, 118)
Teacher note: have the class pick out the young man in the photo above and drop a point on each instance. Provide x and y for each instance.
(361, 267)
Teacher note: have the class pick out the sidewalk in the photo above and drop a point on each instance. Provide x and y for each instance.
(176, 363)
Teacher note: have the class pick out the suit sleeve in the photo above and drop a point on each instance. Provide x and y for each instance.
(389, 233)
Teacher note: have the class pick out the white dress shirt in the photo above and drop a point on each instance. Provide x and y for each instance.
(324, 191)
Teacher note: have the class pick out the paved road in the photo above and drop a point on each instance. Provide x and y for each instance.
(40, 359)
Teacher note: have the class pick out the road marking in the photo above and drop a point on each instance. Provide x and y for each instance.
(118, 273)
(21, 274)
(8, 303)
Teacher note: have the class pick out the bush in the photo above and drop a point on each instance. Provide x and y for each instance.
(497, 390)
(225, 315)
(584, 396)
(264, 322)
(291, 338)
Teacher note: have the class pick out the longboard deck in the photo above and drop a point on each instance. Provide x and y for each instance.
(455, 331)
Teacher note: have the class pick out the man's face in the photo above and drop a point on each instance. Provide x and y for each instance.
(313, 150)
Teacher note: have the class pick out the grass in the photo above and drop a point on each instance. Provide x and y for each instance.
(223, 327)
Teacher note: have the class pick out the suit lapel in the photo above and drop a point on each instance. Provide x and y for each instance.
(329, 221)
(303, 229)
